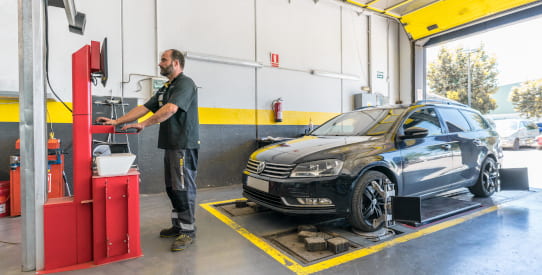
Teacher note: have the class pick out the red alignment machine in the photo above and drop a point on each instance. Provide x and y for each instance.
(100, 223)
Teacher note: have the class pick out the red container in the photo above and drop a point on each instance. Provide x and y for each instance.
(4, 198)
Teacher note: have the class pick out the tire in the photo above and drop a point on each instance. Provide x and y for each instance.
(488, 180)
(516, 146)
(367, 203)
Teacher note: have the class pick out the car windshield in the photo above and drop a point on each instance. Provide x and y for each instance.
(370, 122)
(504, 124)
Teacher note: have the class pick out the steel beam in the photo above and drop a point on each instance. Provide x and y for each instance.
(33, 130)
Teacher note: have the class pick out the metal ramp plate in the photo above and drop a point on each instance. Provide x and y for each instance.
(438, 208)
(515, 179)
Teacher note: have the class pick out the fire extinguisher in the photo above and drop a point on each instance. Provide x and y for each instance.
(277, 109)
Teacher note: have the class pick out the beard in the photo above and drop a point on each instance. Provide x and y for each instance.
(167, 70)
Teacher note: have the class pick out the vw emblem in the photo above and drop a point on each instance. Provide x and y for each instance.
(260, 168)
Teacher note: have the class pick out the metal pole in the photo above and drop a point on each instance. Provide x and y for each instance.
(33, 131)
(468, 79)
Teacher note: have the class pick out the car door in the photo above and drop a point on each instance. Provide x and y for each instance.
(426, 161)
(465, 146)
(529, 132)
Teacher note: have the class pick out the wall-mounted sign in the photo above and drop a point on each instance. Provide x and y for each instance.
(380, 75)
(275, 60)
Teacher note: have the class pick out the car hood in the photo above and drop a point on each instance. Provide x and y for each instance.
(315, 147)
(506, 132)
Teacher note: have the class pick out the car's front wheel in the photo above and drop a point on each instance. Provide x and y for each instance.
(516, 145)
(488, 179)
(368, 202)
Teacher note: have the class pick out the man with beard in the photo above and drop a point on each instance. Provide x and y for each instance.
(175, 107)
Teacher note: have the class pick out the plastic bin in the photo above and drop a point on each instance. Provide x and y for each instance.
(115, 164)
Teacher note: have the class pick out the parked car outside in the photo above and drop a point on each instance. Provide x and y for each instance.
(539, 124)
(346, 165)
(517, 132)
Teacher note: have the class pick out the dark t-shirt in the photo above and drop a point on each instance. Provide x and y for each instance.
(180, 131)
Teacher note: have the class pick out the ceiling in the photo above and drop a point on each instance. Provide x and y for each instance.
(425, 18)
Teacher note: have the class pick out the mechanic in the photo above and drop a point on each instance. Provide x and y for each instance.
(175, 107)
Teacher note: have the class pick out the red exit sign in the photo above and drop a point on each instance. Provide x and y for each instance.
(275, 59)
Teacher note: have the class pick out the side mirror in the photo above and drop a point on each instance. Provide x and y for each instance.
(414, 132)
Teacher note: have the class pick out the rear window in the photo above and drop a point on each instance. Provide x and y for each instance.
(455, 121)
(476, 121)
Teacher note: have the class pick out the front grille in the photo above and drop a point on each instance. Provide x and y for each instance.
(263, 197)
(273, 170)
(275, 202)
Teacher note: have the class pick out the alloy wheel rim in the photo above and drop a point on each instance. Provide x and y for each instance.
(373, 203)
(490, 176)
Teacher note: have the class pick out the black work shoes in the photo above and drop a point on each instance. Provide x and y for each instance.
(183, 241)
(184, 238)
(170, 232)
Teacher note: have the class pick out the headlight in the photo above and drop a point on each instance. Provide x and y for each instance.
(319, 168)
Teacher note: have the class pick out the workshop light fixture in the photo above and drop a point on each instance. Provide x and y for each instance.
(334, 75)
(222, 60)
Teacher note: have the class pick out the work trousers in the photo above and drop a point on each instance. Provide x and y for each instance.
(180, 169)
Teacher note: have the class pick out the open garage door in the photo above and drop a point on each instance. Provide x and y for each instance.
(425, 18)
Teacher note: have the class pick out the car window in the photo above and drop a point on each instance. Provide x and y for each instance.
(454, 120)
(369, 122)
(476, 121)
(529, 125)
(426, 118)
(506, 124)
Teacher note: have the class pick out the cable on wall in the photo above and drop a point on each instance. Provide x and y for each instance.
(47, 56)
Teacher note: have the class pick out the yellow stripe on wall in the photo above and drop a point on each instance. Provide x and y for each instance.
(9, 112)
(265, 117)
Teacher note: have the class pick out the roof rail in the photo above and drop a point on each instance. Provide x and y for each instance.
(448, 102)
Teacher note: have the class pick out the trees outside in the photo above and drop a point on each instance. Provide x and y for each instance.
(527, 98)
(448, 76)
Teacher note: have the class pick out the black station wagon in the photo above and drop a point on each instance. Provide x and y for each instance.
(349, 164)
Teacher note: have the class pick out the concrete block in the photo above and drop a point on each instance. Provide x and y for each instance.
(337, 245)
(315, 244)
(301, 236)
(241, 204)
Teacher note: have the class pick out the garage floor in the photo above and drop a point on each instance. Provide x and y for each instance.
(502, 239)
(504, 236)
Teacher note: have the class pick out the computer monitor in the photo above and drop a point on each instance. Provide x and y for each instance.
(103, 62)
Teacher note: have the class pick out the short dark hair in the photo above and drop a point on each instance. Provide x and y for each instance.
(177, 55)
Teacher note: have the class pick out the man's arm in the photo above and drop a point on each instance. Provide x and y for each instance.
(132, 115)
(161, 115)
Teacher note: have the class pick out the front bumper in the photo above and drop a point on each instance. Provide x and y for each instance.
(281, 194)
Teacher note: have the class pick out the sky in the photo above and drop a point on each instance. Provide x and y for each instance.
(517, 48)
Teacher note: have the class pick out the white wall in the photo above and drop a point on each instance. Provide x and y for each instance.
(101, 22)
(326, 36)
(9, 53)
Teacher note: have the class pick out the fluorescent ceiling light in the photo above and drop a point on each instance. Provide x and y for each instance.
(223, 60)
(334, 75)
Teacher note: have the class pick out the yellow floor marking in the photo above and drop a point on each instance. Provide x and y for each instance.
(356, 254)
